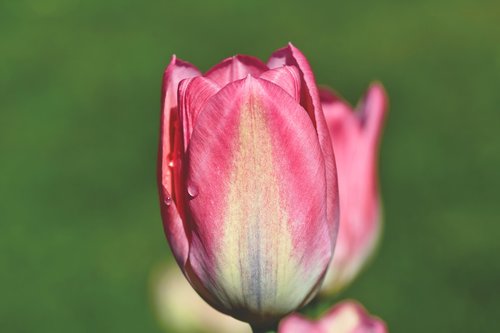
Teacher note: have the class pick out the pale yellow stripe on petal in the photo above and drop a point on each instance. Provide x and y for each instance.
(256, 262)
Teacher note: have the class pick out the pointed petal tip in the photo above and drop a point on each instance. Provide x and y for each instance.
(282, 52)
(372, 110)
(250, 78)
(290, 47)
(242, 58)
(377, 94)
(235, 68)
(175, 61)
(378, 88)
(377, 83)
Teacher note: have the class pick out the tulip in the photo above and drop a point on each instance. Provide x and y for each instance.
(355, 137)
(345, 317)
(247, 183)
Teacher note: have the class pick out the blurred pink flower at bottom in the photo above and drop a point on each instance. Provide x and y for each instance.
(345, 317)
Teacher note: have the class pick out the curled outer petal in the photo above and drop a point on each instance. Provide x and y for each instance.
(176, 71)
(345, 317)
(255, 191)
(310, 100)
(356, 137)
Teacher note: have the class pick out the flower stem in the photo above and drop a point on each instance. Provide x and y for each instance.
(256, 329)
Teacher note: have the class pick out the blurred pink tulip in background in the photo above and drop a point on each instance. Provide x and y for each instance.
(355, 135)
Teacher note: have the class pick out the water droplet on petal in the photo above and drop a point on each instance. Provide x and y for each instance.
(192, 191)
(168, 201)
(170, 161)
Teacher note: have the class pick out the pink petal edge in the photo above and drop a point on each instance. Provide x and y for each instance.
(290, 55)
(235, 68)
(175, 232)
(373, 110)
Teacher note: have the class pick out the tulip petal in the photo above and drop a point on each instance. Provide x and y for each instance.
(345, 317)
(355, 137)
(287, 77)
(297, 323)
(193, 93)
(174, 228)
(351, 317)
(235, 68)
(342, 122)
(176, 71)
(310, 99)
(256, 188)
(353, 159)
(373, 110)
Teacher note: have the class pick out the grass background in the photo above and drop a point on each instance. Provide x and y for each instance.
(80, 82)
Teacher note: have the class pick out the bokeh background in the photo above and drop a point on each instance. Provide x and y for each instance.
(80, 230)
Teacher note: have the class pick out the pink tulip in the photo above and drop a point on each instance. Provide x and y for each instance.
(355, 137)
(345, 317)
(247, 183)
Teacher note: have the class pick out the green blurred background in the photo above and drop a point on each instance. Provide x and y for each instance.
(80, 91)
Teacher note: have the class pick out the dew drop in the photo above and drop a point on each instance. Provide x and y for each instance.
(170, 161)
(168, 201)
(192, 191)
